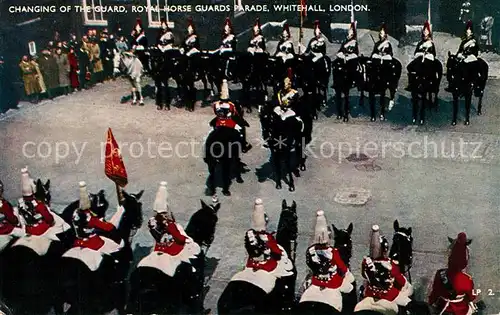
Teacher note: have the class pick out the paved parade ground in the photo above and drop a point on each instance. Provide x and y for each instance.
(438, 179)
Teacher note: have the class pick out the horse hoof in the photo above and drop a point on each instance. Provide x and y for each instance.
(315, 117)
(339, 117)
(421, 122)
(291, 188)
(479, 113)
(346, 119)
(226, 193)
(159, 108)
(134, 103)
(302, 168)
(373, 119)
(240, 180)
(382, 117)
(141, 104)
(414, 121)
(453, 123)
(167, 108)
(278, 186)
(467, 123)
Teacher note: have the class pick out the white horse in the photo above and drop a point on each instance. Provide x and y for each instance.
(128, 64)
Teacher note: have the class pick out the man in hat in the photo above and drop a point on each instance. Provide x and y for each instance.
(467, 53)
(288, 97)
(285, 49)
(8, 219)
(349, 51)
(382, 51)
(227, 115)
(140, 44)
(191, 44)
(107, 47)
(87, 224)
(453, 289)
(425, 54)
(229, 40)
(396, 290)
(258, 42)
(35, 212)
(329, 270)
(165, 39)
(317, 44)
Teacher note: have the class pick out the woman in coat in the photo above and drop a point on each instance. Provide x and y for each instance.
(63, 67)
(97, 62)
(50, 72)
(30, 78)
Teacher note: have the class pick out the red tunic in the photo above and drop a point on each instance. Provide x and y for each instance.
(336, 280)
(73, 68)
(9, 219)
(271, 263)
(44, 223)
(94, 241)
(463, 286)
(174, 247)
(392, 293)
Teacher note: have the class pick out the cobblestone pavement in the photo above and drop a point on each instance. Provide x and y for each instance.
(437, 179)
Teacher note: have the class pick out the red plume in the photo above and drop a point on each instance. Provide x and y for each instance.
(257, 22)
(316, 23)
(163, 20)
(228, 22)
(458, 259)
(384, 27)
(138, 21)
(290, 73)
(469, 25)
(190, 22)
(286, 28)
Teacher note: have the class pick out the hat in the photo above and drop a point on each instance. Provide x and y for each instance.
(138, 22)
(258, 216)
(191, 24)
(459, 254)
(289, 77)
(468, 26)
(383, 27)
(227, 23)
(316, 26)
(428, 27)
(286, 28)
(161, 200)
(28, 187)
(224, 91)
(256, 26)
(375, 246)
(84, 197)
(321, 232)
(352, 27)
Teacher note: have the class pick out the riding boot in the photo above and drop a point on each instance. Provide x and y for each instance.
(455, 111)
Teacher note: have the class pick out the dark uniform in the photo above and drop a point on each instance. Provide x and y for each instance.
(349, 51)
(468, 52)
(425, 54)
(382, 51)
(140, 45)
(258, 43)
(317, 44)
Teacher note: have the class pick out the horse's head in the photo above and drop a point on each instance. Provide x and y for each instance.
(201, 226)
(402, 246)
(288, 230)
(343, 242)
(43, 191)
(99, 204)
(132, 218)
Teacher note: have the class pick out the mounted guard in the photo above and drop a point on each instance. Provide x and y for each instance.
(330, 276)
(317, 44)
(140, 44)
(349, 51)
(453, 289)
(10, 226)
(257, 44)
(288, 98)
(386, 288)
(191, 44)
(165, 39)
(424, 58)
(228, 115)
(382, 53)
(285, 51)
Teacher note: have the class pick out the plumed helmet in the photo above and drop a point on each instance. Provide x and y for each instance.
(289, 78)
(228, 26)
(84, 197)
(352, 27)
(378, 243)
(468, 26)
(161, 200)
(383, 27)
(256, 27)
(164, 21)
(28, 186)
(316, 27)
(138, 23)
(286, 28)
(224, 91)
(427, 26)
(190, 23)
(459, 253)
(321, 232)
(259, 222)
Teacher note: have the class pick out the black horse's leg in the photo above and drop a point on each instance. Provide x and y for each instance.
(300, 152)
(373, 114)
(414, 101)
(346, 106)
(338, 101)
(289, 169)
(211, 178)
(480, 105)
(423, 108)
(468, 103)
(275, 159)
(226, 177)
(455, 110)
(382, 106)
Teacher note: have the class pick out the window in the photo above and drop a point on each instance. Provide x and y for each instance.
(92, 15)
(156, 12)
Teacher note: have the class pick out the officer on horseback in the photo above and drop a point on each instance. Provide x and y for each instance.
(35, 212)
(285, 49)
(287, 98)
(191, 44)
(453, 289)
(140, 44)
(317, 44)
(165, 39)
(329, 270)
(349, 51)
(257, 44)
(386, 287)
(425, 55)
(264, 252)
(87, 224)
(228, 116)
(467, 54)
(382, 51)
(8, 219)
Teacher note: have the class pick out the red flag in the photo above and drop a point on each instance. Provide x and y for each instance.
(113, 165)
(304, 11)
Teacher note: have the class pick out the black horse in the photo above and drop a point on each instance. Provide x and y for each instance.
(286, 140)
(313, 77)
(343, 243)
(32, 264)
(379, 78)
(465, 83)
(402, 249)
(252, 70)
(94, 282)
(175, 285)
(425, 90)
(223, 148)
(273, 294)
(194, 68)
